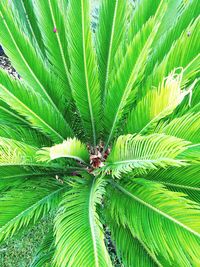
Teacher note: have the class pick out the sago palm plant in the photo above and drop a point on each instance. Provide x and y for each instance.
(103, 129)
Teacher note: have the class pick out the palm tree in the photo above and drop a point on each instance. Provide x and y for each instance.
(103, 130)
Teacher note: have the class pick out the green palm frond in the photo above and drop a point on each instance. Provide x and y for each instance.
(24, 134)
(185, 127)
(70, 148)
(185, 179)
(132, 66)
(31, 65)
(155, 105)
(31, 105)
(181, 54)
(84, 72)
(112, 17)
(77, 224)
(27, 203)
(105, 90)
(192, 154)
(168, 214)
(143, 152)
(51, 19)
(23, 11)
(130, 249)
(190, 12)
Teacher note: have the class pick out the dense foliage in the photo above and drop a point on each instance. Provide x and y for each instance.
(103, 129)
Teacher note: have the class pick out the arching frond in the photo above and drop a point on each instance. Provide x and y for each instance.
(143, 152)
(160, 218)
(27, 60)
(70, 148)
(13, 151)
(77, 224)
(84, 72)
(155, 105)
(129, 248)
(131, 69)
(51, 20)
(163, 46)
(186, 127)
(192, 154)
(181, 54)
(27, 203)
(24, 134)
(32, 106)
(111, 27)
(185, 179)
(23, 11)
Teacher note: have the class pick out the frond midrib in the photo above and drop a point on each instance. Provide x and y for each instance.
(92, 222)
(108, 61)
(149, 252)
(59, 42)
(178, 185)
(29, 68)
(139, 160)
(131, 195)
(125, 93)
(40, 202)
(33, 113)
(86, 73)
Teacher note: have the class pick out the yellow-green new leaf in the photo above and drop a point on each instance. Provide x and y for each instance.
(156, 104)
(70, 148)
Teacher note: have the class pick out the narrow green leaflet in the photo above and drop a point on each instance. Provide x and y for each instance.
(51, 20)
(70, 148)
(84, 71)
(185, 179)
(27, 203)
(144, 152)
(132, 66)
(186, 127)
(161, 219)
(111, 27)
(31, 105)
(156, 104)
(77, 224)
